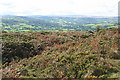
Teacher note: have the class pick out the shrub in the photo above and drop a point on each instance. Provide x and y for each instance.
(4, 32)
(84, 36)
(97, 28)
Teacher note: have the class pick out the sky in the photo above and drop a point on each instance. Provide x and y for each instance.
(59, 7)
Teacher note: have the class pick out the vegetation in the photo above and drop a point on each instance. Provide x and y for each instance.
(55, 23)
(59, 54)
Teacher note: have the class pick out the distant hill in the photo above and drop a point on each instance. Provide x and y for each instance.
(55, 23)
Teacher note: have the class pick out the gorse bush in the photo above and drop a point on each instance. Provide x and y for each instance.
(4, 32)
(61, 54)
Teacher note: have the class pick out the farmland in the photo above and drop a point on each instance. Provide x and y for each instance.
(55, 23)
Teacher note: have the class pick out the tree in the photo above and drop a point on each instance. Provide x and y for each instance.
(97, 28)
(4, 32)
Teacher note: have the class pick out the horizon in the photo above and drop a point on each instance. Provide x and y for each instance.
(62, 16)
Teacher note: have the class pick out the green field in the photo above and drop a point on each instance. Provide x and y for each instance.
(55, 23)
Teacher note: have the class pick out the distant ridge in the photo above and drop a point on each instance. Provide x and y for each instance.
(65, 16)
(89, 16)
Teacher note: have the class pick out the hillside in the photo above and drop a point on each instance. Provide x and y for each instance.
(55, 23)
(59, 54)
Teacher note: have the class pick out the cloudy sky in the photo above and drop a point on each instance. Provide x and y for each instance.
(59, 7)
